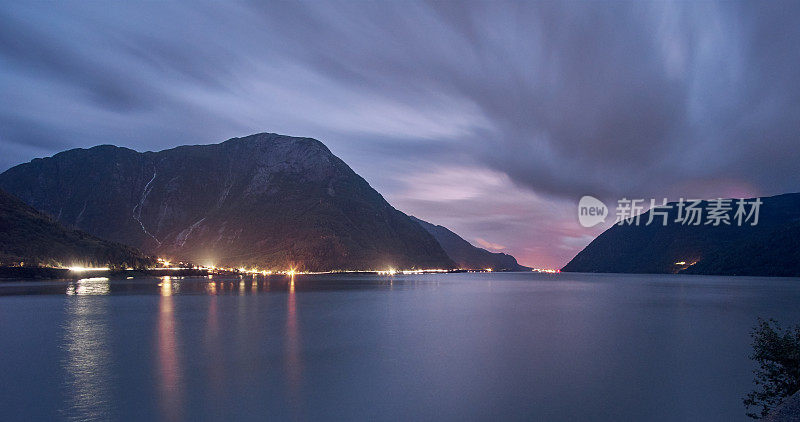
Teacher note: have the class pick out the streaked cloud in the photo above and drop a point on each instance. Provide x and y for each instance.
(489, 245)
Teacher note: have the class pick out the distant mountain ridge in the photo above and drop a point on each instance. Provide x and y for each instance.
(265, 200)
(770, 248)
(466, 255)
(30, 237)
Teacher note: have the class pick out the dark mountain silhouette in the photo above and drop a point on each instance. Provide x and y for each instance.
(467, 256)
(264, 200)
(770, 248)
(28, 236)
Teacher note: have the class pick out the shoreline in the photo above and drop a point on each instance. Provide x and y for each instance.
(49, 273)
(8, 274)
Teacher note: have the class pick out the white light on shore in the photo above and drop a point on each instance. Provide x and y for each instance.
(81, 269)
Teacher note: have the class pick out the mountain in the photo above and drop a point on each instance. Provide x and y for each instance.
(26, 235)
(769, 248)
(467, 256)
(265, 200)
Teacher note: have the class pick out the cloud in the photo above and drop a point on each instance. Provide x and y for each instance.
(543, 101)
(489, 245)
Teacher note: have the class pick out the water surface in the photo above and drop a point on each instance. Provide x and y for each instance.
(438, 346)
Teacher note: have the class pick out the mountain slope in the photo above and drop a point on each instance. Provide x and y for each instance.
(770, 248)
(264, 200)
(467, 256)
(27, 235)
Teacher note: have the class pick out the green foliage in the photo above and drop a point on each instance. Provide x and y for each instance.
(777, 352)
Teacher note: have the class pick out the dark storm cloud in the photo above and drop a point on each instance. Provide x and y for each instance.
(564, 99)
(601, 97)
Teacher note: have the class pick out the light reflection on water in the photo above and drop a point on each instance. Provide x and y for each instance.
(293, 358)
(89, 286)
(214, 343)
(457, 346)
(169, 369)
(87, 353)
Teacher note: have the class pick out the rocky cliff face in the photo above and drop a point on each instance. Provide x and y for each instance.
(770, 248)
(467, 256)
(28, 236)
(264, 200)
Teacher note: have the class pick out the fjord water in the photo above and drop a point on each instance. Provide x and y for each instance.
(332, 347)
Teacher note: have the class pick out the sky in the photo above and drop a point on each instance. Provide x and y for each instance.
(490, 118)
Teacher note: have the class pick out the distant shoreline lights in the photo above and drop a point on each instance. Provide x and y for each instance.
(165, 264)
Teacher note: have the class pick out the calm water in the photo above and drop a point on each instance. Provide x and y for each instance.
(431, 347)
